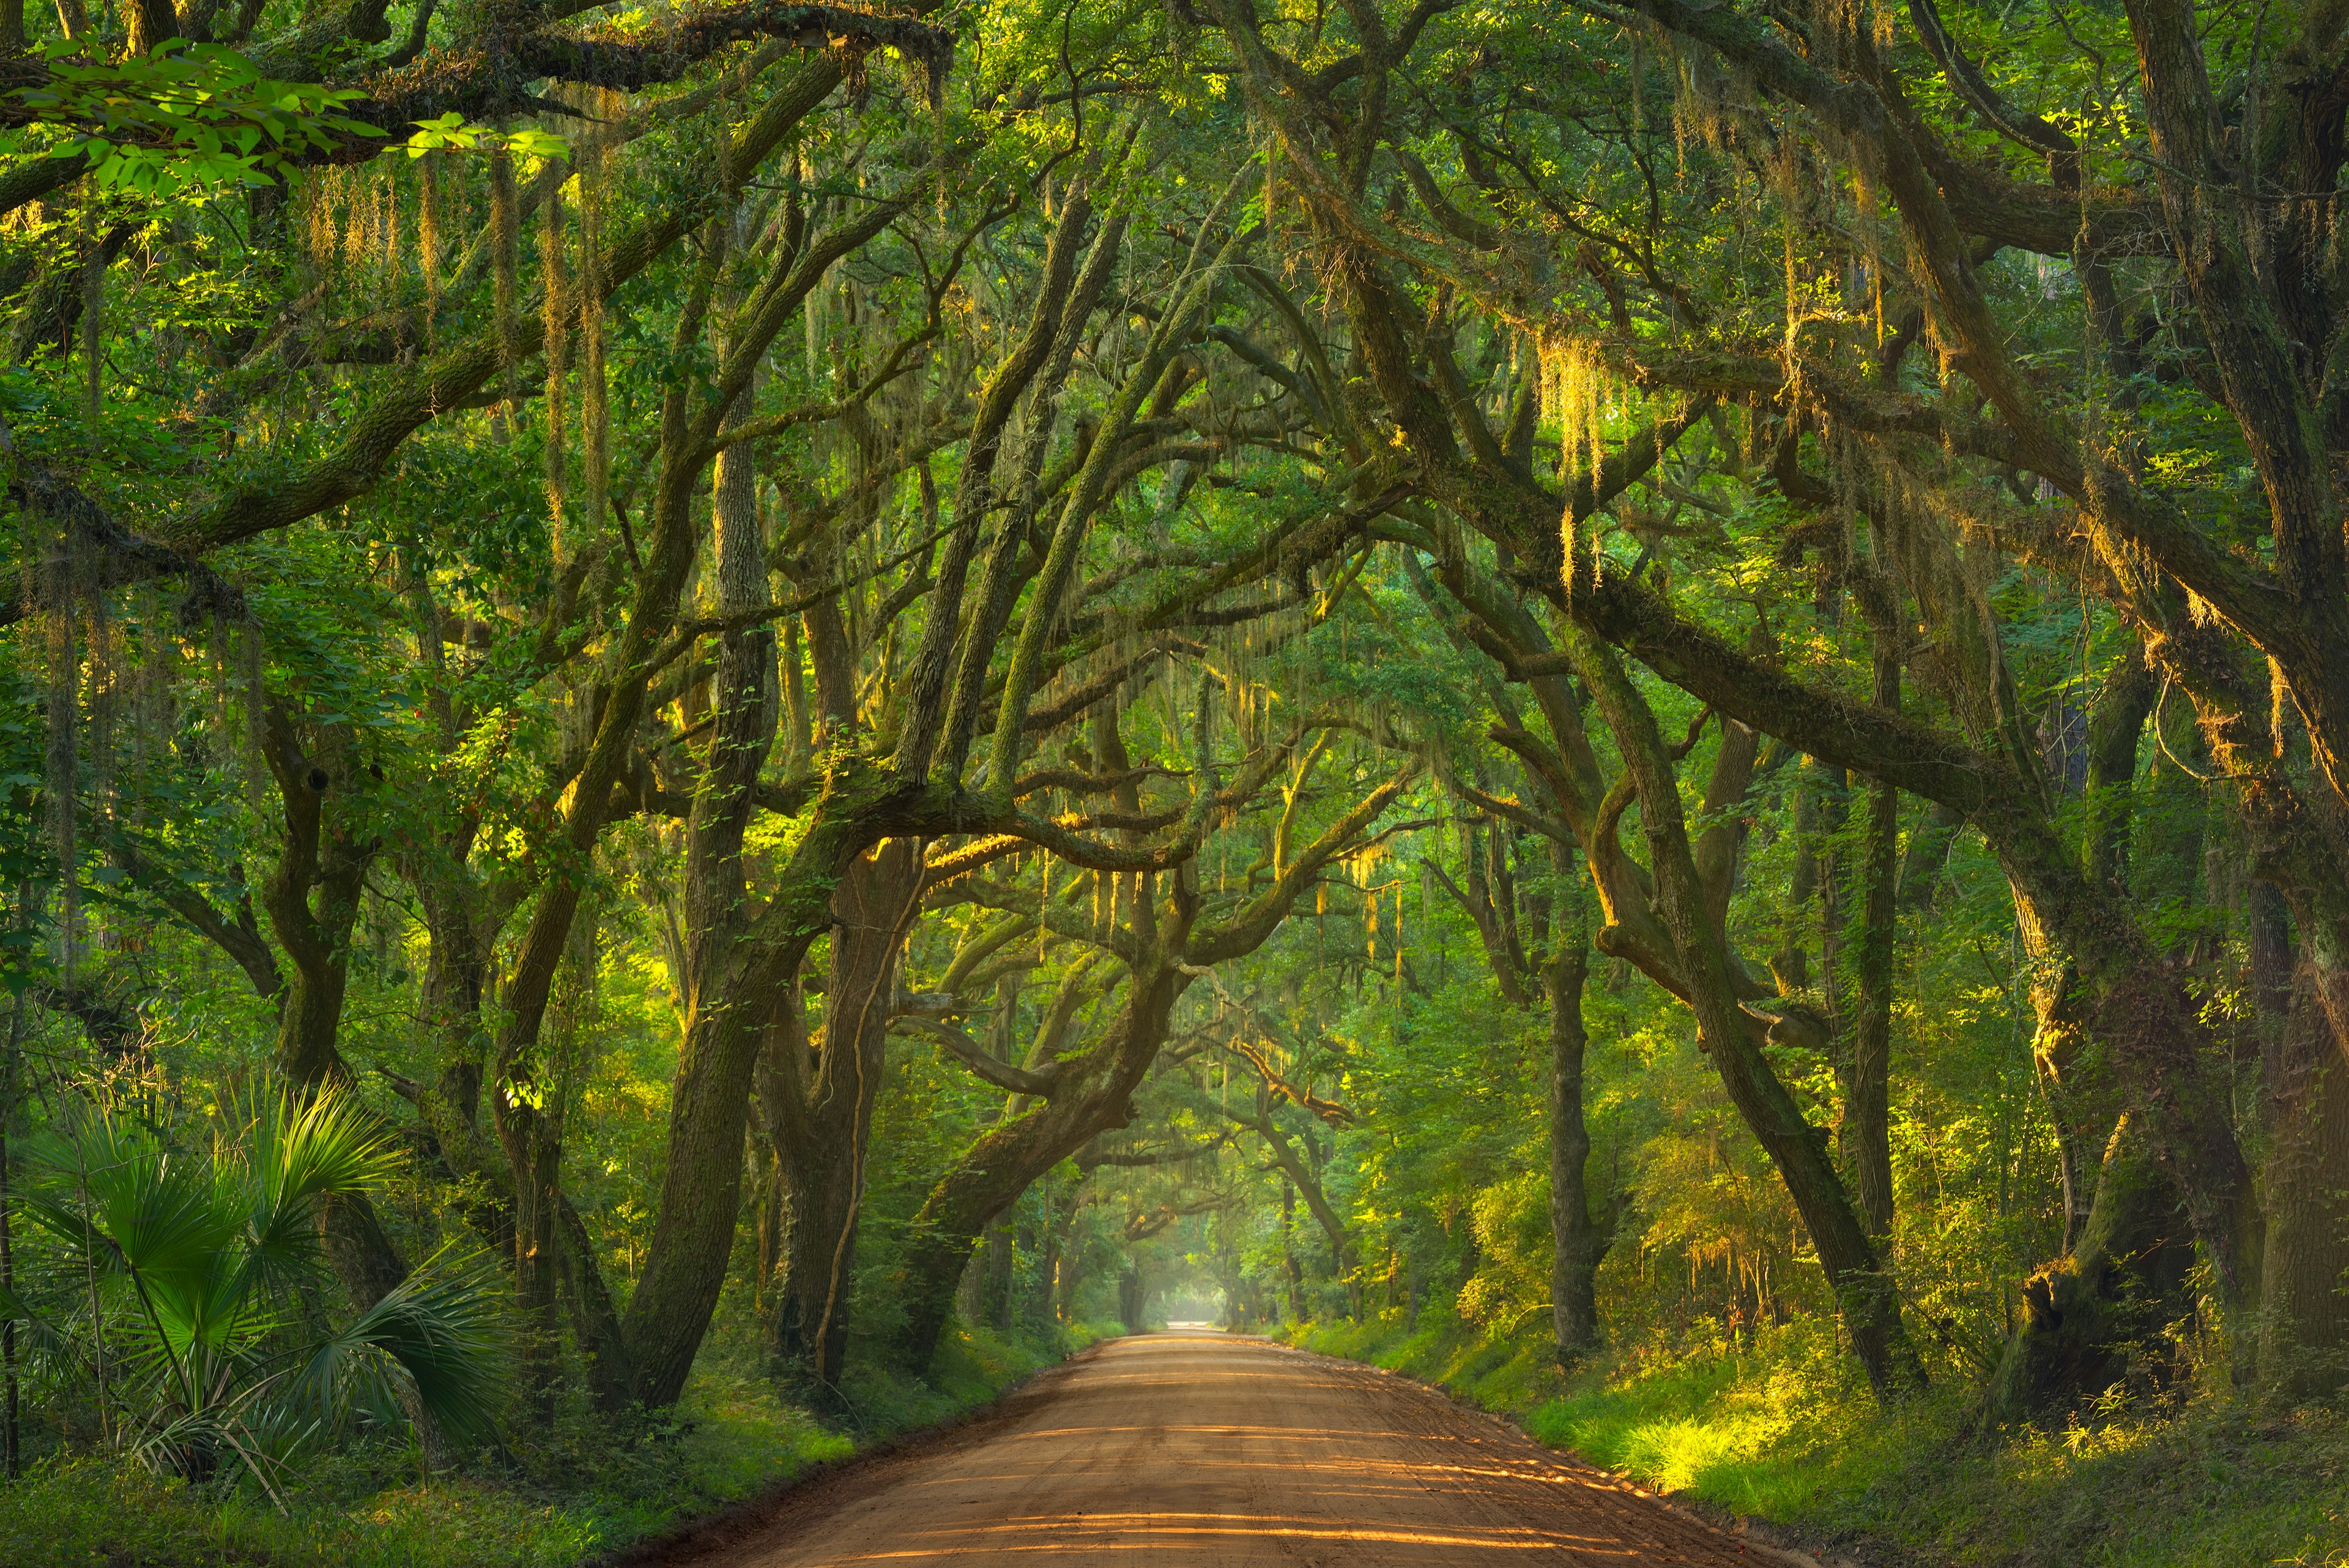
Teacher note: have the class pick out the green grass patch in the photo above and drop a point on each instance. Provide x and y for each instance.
(1782, 1429)
(572, 1494)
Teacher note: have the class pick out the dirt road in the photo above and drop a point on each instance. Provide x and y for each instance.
(1196, 1450)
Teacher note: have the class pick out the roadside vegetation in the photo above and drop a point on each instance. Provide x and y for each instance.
(1774, 1429)
(572, 1492)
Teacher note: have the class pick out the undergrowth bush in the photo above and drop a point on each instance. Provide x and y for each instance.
(567, 1494)
(1777, 1425)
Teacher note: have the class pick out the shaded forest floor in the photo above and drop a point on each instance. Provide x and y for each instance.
(574, 1494)
(1783, 1432)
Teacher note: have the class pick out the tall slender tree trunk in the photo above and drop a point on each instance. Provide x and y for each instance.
(1790, 966)
(999, 1278)
(1832, 786)
(2083, 1119)
(1303, 1178)
(11, 1455)
(529, 1116)
(595, 1319)
(729, 981)
(1578, 1240)
(1866, 1130)
(1289, 1268)
(535, 1153)
(1059, 1215)
(1870, 1306)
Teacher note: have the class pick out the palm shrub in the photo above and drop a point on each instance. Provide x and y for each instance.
(199, 1291)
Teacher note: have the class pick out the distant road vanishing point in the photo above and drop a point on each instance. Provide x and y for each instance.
(1190, 1449)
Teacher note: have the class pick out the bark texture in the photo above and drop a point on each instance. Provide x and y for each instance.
(818, 1102)
(2094, 1314)
(1580, 1239)
(2304, 1318)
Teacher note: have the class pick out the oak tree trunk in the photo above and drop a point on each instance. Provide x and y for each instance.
(1867, 1129)
(2304, 1317)
(2087, 1316)
(991, 1175)
(1580, 1240)
(819, 1101)
(1869, 1305)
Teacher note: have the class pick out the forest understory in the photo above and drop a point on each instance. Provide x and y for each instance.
(575, 1492)
(1760, 1431)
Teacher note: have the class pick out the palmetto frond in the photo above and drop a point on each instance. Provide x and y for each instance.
(118, 1198)
(295, 1154)
(441, 1332)
(204, 1251)
(47, 1344)
(126, 1204)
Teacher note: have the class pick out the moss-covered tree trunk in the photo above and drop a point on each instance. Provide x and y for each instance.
(1866, 1133)
(1292, 1272)
(2304, 1317)
(991, 1175)
(1733, 1038)
(2087, 1315)
(1578, 1239)
(818, 1097)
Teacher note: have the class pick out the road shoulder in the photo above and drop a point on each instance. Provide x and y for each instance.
(716, 1539)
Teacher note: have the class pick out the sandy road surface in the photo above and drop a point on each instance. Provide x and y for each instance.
(1196, 1450)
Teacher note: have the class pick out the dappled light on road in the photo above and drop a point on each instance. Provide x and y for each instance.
(1198, 1450)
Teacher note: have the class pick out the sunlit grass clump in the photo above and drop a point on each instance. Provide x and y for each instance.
(1780, 1429)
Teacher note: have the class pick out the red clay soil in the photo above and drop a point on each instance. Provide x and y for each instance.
(1202, 1450)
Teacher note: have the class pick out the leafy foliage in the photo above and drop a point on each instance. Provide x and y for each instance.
(194, 1266)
